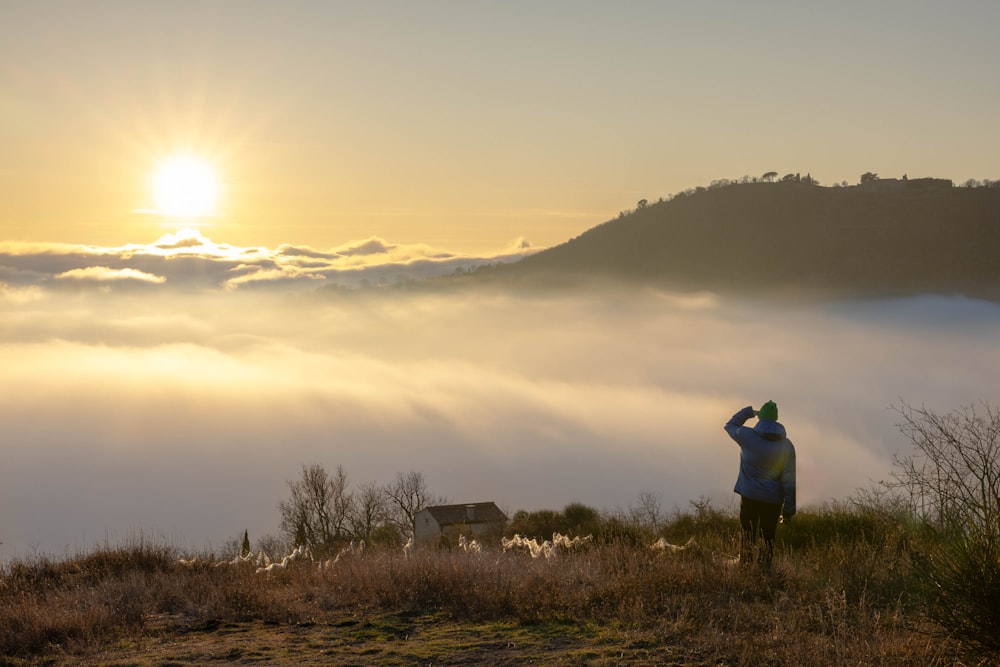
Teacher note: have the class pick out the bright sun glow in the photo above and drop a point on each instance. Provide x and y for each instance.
(185, 186)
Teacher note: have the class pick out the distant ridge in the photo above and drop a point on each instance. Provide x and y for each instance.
(790, 238)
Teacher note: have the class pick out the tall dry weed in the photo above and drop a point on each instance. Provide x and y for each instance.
(839, 597)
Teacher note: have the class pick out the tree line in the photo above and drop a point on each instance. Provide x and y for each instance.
(791, 177)
(324, 513)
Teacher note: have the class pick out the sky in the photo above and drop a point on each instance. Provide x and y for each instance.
(469, 125)
(168, 374)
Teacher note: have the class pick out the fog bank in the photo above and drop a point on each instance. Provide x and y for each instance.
(182, 415)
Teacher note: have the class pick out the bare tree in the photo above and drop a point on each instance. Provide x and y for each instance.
(647, 510)
(953, 482)
(273, 545)
(407, 495)
(316, 514)
(953, 478)
(369, 510)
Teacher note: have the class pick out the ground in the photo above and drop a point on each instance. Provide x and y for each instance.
(385, 640)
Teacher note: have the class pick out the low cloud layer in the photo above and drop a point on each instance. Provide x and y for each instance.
(187, 259)
(181, 414)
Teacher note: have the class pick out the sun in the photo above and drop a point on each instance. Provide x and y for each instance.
(185, 186)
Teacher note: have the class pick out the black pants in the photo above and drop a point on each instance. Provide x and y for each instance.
(758, 518)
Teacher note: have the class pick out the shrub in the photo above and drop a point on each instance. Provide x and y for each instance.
(705, 521)
(575, 519)
(615, 530)
(952, 482)
(538, 524)
(960, 578)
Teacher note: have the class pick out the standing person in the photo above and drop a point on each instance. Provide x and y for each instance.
(766, 482)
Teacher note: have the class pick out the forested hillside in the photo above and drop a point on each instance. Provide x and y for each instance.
(794, 238)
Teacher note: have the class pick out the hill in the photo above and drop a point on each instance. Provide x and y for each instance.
(790, 238)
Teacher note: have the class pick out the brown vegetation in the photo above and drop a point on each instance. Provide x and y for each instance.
(906, 574)
(839, 594)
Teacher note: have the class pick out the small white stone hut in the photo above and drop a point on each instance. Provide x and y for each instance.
(443, 524)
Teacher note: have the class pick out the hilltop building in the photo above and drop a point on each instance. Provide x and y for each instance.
(904, 183)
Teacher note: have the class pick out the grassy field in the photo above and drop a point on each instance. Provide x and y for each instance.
(840, 593)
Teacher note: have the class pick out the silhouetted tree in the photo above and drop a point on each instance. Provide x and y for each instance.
(641, 204)
(539, 524)
(581, 519)
(245, 548)
(769, 176)
(868, 177)
(316, 513)
(407, 495)
(953, 482)
(274, 545)
(368, 511)
(647, 511)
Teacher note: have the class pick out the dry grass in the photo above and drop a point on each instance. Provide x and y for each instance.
(830, 599)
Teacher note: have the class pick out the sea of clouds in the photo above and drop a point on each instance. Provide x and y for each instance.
(189, 260)
(157, 390)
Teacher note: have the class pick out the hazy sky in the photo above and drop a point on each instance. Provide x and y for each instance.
(467, 125)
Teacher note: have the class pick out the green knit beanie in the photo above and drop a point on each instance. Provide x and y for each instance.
(768, 411)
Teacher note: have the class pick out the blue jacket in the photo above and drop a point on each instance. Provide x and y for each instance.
(767, 461)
